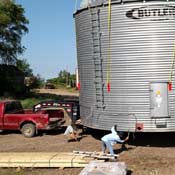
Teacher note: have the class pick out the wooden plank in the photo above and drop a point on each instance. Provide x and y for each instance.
(42, 159)
(42, 165)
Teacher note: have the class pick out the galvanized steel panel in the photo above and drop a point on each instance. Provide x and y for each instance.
(142, 46)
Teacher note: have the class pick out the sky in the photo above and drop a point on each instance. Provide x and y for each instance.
(51, 41)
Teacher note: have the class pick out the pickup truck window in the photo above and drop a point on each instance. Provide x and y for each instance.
(13, 106)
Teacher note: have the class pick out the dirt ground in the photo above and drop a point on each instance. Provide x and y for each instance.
(147, 155)
(57, 92)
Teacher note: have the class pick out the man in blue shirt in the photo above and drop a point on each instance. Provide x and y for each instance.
(111, 139)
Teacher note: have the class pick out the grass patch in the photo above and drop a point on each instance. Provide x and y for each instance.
(28, 103)
(34, 98)
(72, 90)
(31, 99)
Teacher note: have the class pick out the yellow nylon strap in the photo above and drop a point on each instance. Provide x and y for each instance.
(109, 46)
(172, 66)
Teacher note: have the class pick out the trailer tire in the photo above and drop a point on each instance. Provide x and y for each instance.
(28, 130)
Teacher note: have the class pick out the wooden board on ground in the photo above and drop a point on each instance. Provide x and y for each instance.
(43, 159)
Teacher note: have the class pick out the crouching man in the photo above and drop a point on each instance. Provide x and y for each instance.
(71, 132)
(109, 140)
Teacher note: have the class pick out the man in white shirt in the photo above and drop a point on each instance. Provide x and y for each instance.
(71, 132)
(109, 140)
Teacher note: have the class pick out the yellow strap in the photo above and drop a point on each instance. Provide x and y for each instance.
(172, 66)
(109, 47)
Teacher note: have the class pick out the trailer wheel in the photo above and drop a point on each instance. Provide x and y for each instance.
(28, 130)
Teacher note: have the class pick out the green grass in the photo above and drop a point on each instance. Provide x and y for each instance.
(72, 90)
(29, 102)
(33, 98)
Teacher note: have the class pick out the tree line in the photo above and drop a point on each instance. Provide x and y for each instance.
(64, 79)
(16, 76)
(13, 71)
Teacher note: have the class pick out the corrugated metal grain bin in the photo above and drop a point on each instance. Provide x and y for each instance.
(136, 58)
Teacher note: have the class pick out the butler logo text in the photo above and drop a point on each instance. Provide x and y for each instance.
(152, 12)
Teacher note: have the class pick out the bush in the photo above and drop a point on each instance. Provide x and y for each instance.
(12, 81)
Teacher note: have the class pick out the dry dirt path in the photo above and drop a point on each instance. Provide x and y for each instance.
(143, 159)
(57, 92)
(149, 154)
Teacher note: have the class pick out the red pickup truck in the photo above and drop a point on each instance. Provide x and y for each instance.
(28, 121)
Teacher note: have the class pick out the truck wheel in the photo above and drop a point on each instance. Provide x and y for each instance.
(28, 130)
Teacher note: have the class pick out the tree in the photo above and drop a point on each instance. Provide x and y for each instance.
(64, 78)
(12, 80)
(31, 81)
(12, 28)
(37, 82)
(24, 66)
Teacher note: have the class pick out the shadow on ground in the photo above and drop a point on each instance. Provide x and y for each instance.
(138, 139)
(160, 139)
(153, 139)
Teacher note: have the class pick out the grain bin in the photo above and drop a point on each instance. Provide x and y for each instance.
(135, 56)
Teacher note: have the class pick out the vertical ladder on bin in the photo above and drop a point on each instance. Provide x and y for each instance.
(96, 44)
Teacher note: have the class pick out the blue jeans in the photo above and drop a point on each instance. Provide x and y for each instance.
(107, 145)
